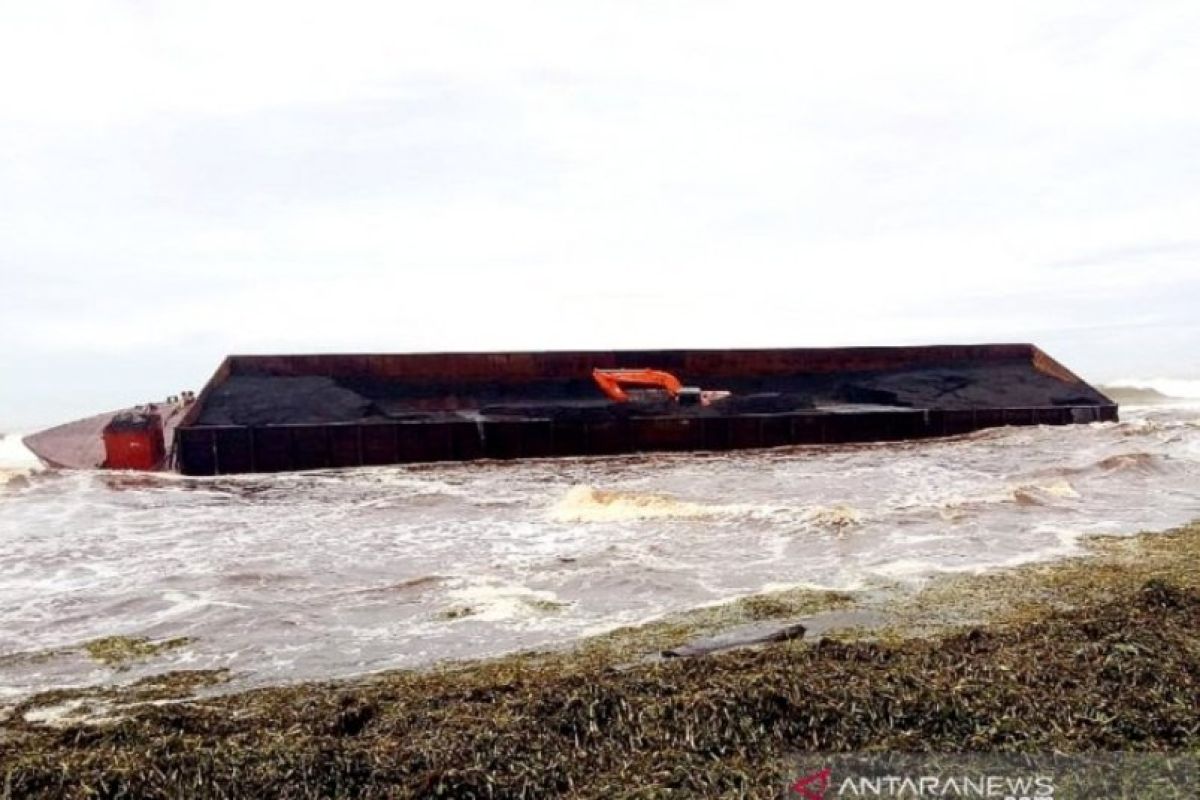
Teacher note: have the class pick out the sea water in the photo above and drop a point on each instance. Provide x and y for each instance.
(324, 574)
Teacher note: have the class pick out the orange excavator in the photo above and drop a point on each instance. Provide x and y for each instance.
(613, 381)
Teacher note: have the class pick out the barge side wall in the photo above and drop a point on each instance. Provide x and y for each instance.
(213, 450)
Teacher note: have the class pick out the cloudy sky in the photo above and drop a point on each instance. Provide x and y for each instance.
(181, 180)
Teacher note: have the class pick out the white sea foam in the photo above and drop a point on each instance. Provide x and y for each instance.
(16, 461)
(1181, 388)
(590, 504)
(492, 601)
(286, 577)
(837, 517)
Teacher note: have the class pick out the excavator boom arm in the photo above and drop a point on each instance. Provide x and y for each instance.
(611, 382)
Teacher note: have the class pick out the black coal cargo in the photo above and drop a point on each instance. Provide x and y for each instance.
(293, 412)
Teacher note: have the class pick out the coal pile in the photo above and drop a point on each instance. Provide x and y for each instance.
(271, 400)
(763, 403)
(1015, 385)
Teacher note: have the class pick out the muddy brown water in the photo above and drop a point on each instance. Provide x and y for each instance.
(326, 574)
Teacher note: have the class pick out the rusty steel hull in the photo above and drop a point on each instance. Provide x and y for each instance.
(236, 449)
(80, 444)
(452, 385)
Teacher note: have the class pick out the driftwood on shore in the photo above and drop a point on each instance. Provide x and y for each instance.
(748, 636)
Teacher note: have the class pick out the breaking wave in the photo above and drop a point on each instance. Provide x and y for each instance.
(14, 453)
(1138, 462)
(13, 477)
(316, 575)
(1044, 494)
(586, 503)
(16, 462)
(1177, 388)
(836, 517)
(489, 601)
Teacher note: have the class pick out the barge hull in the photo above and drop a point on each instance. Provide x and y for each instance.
(281, 448)
(463, 406)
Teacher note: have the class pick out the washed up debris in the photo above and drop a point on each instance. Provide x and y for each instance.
(741, 637)
(119, 651)
(1094, 655)
(456, 612)
(88, 706)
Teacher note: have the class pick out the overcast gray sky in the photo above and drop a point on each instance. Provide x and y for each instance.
(183, 180)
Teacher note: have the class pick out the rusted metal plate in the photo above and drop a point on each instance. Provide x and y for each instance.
(208, 451)
(310, 447)
(235, 450)
(80, 444)
(523, 367)
(196, 451)
(379, 444)
(448, 396)
(273, 449)
(345, 446)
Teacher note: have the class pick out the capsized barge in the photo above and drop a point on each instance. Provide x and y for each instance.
(264, 413)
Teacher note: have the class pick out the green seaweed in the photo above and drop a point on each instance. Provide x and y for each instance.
(1092, 654)
(118, 651)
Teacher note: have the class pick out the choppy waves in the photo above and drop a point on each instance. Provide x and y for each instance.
(16, 462)
(1175, 388)
(589, 504)
(335, 573)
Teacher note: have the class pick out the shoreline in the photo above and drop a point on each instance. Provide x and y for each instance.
(1094, 652)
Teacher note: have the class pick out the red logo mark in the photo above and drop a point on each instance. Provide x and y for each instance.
(814, 786)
